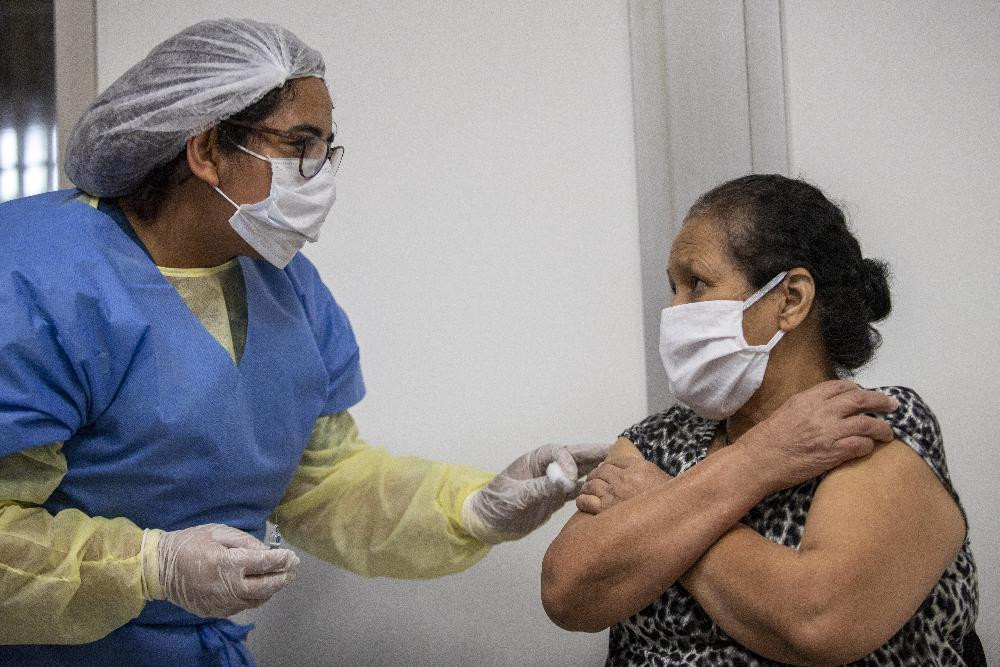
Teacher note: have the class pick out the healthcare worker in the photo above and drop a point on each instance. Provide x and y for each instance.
(173, 372)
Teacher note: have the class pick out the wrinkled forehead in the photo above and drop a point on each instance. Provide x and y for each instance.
(700, 237)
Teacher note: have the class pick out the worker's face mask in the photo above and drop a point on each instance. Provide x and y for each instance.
(710, 366)
(292, 214)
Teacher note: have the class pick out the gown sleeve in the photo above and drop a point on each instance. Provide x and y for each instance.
(334, 336)
(374, 514)
(68, 578)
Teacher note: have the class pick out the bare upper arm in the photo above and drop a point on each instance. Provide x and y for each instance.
(623, 447)
(880, 532)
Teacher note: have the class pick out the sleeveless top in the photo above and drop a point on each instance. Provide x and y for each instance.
(675, 630)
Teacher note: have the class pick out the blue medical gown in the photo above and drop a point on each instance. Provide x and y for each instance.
(160, 426)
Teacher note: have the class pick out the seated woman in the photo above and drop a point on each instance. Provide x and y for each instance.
(708, 537)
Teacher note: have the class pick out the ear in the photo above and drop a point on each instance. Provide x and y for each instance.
(798, 292)
(203, 157)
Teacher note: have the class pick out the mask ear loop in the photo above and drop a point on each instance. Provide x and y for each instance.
(249, 152)
(771, 284)
(764, 290)
(226, 197)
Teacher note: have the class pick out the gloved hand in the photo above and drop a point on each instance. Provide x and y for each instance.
(528, 491)
(216, 570)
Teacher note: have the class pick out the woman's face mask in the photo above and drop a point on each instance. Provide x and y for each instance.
(709, 363)
(711, 367)
(292, 214)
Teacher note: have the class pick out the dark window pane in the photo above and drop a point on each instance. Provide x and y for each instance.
(28, 161)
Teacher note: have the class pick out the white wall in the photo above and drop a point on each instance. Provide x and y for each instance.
(893, 111)
(485, 245)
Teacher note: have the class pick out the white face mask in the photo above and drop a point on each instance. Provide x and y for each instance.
(292, 214)
(710, 366)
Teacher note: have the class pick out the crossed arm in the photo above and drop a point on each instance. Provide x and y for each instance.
(880, 531)
(605, 567)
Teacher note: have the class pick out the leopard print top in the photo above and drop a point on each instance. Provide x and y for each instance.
(675, 630)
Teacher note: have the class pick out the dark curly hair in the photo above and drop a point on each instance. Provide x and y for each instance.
(149, 196)
(771, 224)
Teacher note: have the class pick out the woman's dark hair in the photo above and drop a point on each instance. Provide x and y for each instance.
(148, 197)
(771, 224)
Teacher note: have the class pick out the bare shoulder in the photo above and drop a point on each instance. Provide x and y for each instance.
(894, 492)
(894, 463)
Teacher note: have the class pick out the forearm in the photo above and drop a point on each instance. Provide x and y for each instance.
(375, 514)
(879, 533)
(603, 568)
(68, 578)
(762, 594)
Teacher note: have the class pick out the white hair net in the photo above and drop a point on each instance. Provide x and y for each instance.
(186, 84)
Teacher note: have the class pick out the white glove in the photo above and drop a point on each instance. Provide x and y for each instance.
(528, 491)
(216, 570)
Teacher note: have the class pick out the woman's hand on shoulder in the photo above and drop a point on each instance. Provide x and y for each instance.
(624, 474)
(817, 430)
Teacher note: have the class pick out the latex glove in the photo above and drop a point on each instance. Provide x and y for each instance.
(216, 570)
(528, 491)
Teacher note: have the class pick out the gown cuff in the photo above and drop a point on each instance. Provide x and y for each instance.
(149, 557)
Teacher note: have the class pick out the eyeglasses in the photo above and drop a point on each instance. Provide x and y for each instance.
(313, 151)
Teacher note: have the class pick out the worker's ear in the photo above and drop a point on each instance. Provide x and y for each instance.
(204, 157)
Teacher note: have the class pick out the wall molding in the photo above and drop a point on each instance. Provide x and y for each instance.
(709, 105)
(76, 67)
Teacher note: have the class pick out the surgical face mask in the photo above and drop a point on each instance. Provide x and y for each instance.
(710, 366)
(292, 214)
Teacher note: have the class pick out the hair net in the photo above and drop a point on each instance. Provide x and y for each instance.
(186, 84)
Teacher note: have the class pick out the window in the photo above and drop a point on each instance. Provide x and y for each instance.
(28, 146)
